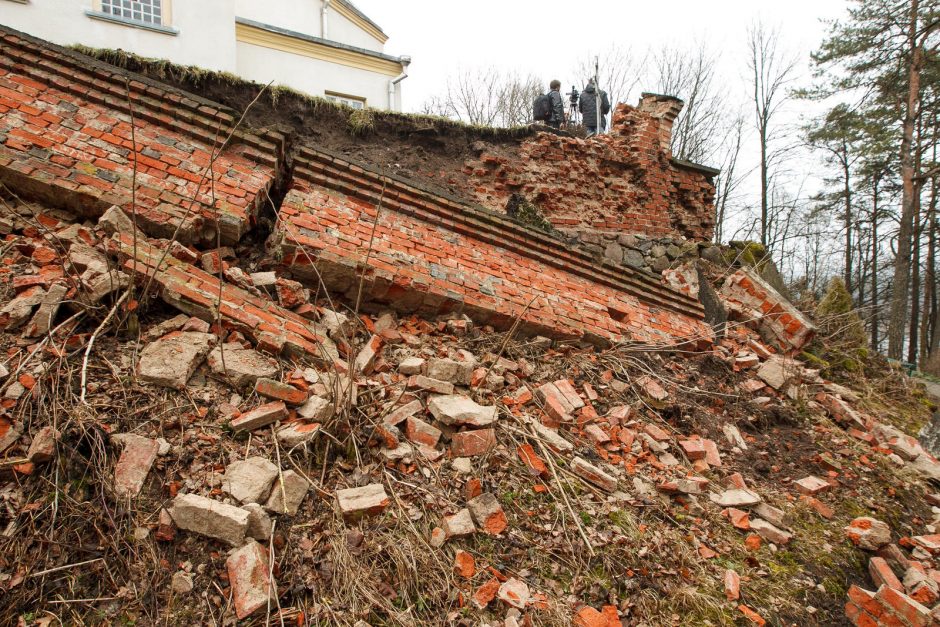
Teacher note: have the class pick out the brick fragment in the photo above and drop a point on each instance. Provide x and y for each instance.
(134, 464)
(42, 448)
(593, 474)
(260, 416)
(473, 442)
(464, 565)
(488, 514)
(280, 391)
(250, 577)
(732, 582)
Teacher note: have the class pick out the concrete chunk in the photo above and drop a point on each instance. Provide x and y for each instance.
(210, 518)
(242, 367)
(286, 499)
(249, 480)
(456, 409)
(171, 360)
(368, 500)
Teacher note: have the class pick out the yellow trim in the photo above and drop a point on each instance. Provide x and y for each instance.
(285, 43)
(343, 9)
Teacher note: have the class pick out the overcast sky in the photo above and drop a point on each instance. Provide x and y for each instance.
(548, 37)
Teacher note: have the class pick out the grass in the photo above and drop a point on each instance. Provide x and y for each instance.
(196, 78)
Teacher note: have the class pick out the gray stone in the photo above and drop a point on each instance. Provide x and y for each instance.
(83, 258)
(633, 259)
(286, 498)
(459, 525)
(182, 583)
(627, 239)
(159, 330)
(673, 251)
(210, 518)
(657, 251)
(551, 437)
(338, 325)
(455, 409)
(659, 264)
(170, 361)
(613, 252)
(241, 366)
(263, 280)
(775, 372)
(48, 308)
(249, 481)
(101, 285)
(771, 514)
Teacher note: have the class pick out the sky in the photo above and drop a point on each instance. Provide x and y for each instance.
(548, 37)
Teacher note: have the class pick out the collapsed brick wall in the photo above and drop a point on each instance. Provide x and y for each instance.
(422, 254)
(66, 138)
(622, 183)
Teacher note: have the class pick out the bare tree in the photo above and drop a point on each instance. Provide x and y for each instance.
(730, 175)
(690, 75)
(771, 70)
(486, 97)
(619, 72)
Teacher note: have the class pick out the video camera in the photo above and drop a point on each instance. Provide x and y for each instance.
(573, 96)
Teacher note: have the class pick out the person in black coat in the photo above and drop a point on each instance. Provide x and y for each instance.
(558, 104)
(587, 105)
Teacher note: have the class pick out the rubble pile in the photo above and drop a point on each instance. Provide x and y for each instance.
(477, 440)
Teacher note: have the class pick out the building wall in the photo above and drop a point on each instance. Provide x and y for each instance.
(197, 21)
(313, 76)
(304, 17)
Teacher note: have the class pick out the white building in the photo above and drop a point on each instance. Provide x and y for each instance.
(322, 47)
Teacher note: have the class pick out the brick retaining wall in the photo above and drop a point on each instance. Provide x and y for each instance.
(65, 138)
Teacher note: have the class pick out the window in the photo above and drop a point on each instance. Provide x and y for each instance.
(350, 101)
(146, 11)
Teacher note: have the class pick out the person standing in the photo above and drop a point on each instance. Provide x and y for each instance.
(558, 104)
(587, 105)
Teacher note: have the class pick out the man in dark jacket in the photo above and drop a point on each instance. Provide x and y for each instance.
(587, 105)
(558, 104)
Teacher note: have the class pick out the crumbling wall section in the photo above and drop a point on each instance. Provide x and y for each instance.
(67, 138)
(427, 253)
(622, 183)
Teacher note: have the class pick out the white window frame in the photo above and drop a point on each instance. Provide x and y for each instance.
(354, 102)
(164, 26)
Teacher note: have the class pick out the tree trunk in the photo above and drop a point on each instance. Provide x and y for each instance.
(912, 343)
(847, 218)
(902, 261)
(928, 324)
(874, 266)
(763, 186)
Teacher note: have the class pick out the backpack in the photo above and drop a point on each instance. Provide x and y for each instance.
(542, 108)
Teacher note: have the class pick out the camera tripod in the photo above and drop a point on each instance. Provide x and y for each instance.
(573, 107)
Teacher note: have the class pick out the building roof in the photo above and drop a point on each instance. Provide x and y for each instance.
(349, 5)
